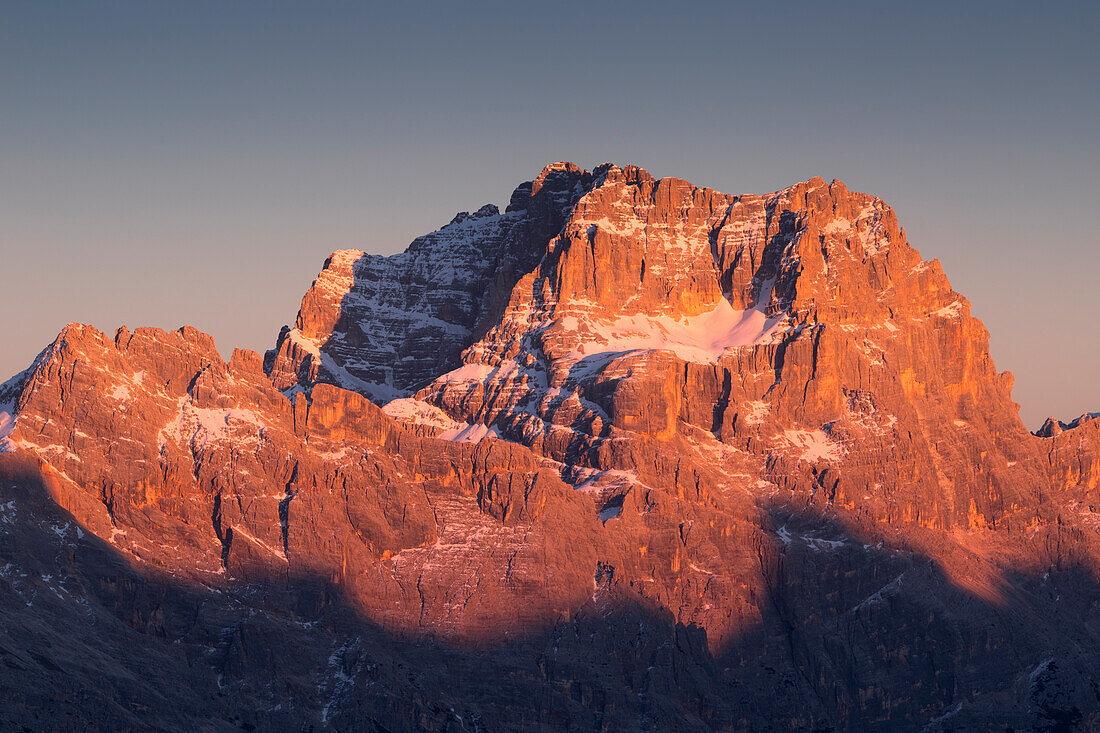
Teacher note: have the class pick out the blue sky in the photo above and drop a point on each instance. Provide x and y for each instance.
(195, 162)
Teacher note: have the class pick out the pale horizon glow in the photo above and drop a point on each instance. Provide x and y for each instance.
(196, 164)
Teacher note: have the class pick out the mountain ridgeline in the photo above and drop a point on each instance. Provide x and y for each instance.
(629, 455)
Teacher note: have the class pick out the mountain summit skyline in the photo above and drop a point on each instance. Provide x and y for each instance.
(629, 454)
(173, 167)
(246, 306)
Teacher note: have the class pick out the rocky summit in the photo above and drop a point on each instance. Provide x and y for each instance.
(631, 454)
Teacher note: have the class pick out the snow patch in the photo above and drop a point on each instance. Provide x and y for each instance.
(756, 411)
(872, 227)
(340, 375)
(813, 445)
(878, 596)
(814, 543)
(8, 397)
(837, 226)
(941, 718)
(417, 412)
(465, 433)
(955, 310)
(1040, 668)
(7, 420)
(121, 393)
(199, 426)
(237, 530)
(612, 510)
(701, 339)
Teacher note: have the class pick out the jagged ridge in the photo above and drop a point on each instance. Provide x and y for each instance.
(752, 447)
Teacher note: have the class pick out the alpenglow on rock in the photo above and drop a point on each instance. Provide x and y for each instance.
(631, 455)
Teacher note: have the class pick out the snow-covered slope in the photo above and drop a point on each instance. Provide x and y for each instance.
(387, 325)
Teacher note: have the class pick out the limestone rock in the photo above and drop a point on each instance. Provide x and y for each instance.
(631, 455)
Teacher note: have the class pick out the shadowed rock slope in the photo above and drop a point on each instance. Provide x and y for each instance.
(631, 455)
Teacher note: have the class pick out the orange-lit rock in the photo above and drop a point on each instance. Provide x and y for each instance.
(633, 454)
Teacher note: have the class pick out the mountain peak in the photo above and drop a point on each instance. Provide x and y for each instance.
(629, 418)
(484, 211)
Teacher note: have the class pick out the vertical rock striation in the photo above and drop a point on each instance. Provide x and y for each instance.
(632, 455)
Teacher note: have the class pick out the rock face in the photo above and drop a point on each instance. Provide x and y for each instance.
(388, 324)
(632, 455)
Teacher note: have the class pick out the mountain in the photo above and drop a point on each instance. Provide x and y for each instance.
(631, 455)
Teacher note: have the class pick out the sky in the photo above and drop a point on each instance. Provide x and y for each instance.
(172, 163)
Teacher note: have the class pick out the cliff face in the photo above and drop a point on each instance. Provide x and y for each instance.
(383, 325)
(798, 328)
(667, 457)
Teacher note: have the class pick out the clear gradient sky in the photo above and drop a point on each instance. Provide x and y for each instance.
(171, 163)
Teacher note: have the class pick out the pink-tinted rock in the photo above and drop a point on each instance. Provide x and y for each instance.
(672, 458)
